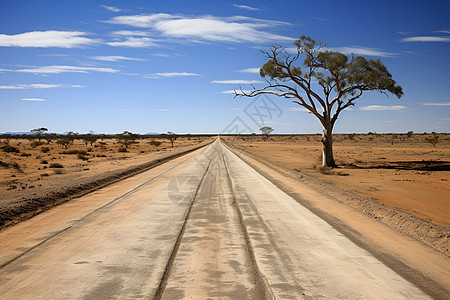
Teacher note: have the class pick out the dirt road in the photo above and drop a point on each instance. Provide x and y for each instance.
(205, 225)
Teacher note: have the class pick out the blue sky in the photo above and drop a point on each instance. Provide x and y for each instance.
(157, 66)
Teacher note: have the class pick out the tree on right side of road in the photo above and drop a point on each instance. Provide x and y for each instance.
(323, 82)
(266, 130)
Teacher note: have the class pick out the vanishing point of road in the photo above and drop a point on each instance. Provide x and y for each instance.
(202, 226)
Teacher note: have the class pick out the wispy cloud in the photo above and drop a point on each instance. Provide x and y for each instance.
(170, 74)
(45, 39)
(235, 29)
(36, 86)
(246, 7)
(382, 107)
(297, 109)
(361, 51)
(57, 69)
(116, 58)
(250, 70)
(32, 99)
(237, 81)
(130, 33)
(436, 103)
(111, 8)
(426, 39)
(235, 91)
(134, 42)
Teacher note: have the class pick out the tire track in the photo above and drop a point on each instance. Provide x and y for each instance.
(163, 281)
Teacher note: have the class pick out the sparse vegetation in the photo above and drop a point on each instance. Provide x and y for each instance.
(432, 140)
(171, 136)
(10, 149)
(56, 165)
(126, 138)
(266, 130)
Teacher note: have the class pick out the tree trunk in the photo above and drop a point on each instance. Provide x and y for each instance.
(327, 150)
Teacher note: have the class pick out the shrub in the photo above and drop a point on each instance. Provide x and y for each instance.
(25, 154)
(36, 143)
(56, 165)
(155, 143)
(44, 162)
(432, 140)
(409, 134)
(10, 149)
(45, 149)
(122, 149)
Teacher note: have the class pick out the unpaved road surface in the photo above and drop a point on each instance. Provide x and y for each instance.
(205, 225)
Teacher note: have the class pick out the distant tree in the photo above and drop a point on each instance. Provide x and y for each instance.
(126, 138)
(409, 134)
(432, 140)
(63, 142)
(70, 136)
(39, 132)
(49, 137)
(171, 136)
(89, 137)
(6, 138)
(326, 83)
(266, 130)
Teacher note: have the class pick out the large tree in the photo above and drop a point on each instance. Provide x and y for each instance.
(326, 83)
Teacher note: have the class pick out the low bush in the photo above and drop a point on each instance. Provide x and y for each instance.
(122, 149)
(35, 144)
(25, 154)
(10, 149)
(45, 149)
(155, 143)
(56, 165)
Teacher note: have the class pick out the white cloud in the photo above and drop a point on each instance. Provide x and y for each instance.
(245, 7)
(297, 109)
(111, 8)
(63, 69)
(237, 81)
(250, 70)
(437, 103)
(426, 39)
(44, 39)
(170, 74)
(360, 51)
(36, 86)
(236, 29)
(116, 58)
(130, 33)
(381, 107)
(235, 91)
(134, 42)
(32, 99)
